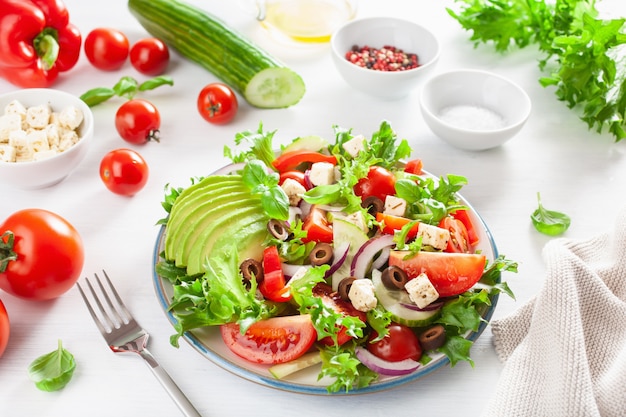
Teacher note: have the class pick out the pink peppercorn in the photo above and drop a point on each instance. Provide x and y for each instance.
(387, 58)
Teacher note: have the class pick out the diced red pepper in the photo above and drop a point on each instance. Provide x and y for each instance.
(273, 285)
(290, 160)
(391, 224)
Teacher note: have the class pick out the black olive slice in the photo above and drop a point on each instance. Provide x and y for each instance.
(432, 338)
(251, 267)
(344, 288)
(322, 254)
(278, 229)
(373, 205)
(394, 278)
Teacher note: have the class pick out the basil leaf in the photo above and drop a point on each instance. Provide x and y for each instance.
(97, 95)
(549, 222)
(155, 82)
(126, 87)
(275, 203)
(52, 371)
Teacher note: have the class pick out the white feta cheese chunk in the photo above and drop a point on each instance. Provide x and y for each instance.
(294, 191)
(67, 139)
(52, 134)
(44, 155)
(395, 206)
(7, 153)
(421, 290)
(322, 173)
(71, 117)
(17, 139)
(9, 123)
(434, 236)
(15, 107)
(362, 295)
(37, 141)
(355, 145)
(38, 117)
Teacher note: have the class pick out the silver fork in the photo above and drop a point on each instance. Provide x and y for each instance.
(124, 334)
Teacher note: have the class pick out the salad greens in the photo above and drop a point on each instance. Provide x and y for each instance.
(583, 54)
(220, 295)
(549, 222)
(54, 370)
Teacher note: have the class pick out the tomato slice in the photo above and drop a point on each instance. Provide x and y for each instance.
(317, 226)
(472, 234)
(414, 166)
(391, 223)
(379, 182)
(272, 341)
(459, 242)
(288, 161)
(333, 300)
(294, 175)
(273, 284)
(450, 273)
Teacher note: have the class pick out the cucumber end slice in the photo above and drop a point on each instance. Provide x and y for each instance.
(275, 88)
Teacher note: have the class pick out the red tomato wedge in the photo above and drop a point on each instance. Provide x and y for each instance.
(464, 217)
(450, 273)
(333, 300)
(272, 341)
(414, 166)
(290, 160)
(273, 284)
(459, 240)
(379, 182)
(391, 223)
(317, 227)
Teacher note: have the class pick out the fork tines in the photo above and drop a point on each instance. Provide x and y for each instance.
(109, 316)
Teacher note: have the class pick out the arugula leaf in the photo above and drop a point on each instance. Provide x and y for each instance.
(384, 147)
(54, 370)
(260, 146)
(583, 54)
(218, 297)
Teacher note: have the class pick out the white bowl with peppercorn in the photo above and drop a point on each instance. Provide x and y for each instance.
(474, 109)
(44, 135)
(384, 57)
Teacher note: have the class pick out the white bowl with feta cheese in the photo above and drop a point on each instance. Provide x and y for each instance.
(473, 109)
(44, 135)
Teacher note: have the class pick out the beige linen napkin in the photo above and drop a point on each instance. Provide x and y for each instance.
(565, 350)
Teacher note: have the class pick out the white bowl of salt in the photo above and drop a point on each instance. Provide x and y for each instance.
(473, 109)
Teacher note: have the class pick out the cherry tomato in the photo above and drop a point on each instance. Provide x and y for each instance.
(106, 48)
(399, 344)
(459, 240)
(450, 273)
(5, 329)
(273, 285)
(150, 56)
(138, 121)
(124, 171)
(271, 341)
(379, 183)
(472, 234)
(333, 300)
(49, 254)
(217, 103)
(317, 226)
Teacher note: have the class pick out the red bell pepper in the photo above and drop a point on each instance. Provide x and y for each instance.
(290, 160)
(37, 41)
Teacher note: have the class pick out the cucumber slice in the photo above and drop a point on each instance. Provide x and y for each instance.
(344, 231)
(203, 38)
(391, 301)
(285, 369)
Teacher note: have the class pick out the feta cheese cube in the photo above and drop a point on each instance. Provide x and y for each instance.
(67, 139)
(38, 156)
(9, 123)
(294, 191)
(322, 173)
(37, 141)
(355, 145)
(434, 236)
(52, 134)
(7, 153)
(421, 290)
(15, 107)
(17, 139)
(395, 206)
(70, 117)
(362, 295)
(38, 117)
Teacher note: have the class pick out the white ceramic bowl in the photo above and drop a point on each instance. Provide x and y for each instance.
(474, 109)
(49, 171)
(377, 32)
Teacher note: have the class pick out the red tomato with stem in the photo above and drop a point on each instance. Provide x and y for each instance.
(459, 240)
(138, 121)
(106, 48)
(379, 182)
(217, 103)
(272, 341)
(150, 56)
(450, 273)
(124, 171)
(5, 329)
(41, 254)
(399, 344)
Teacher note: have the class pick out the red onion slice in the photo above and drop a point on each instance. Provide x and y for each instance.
(384, 367)
(290, 269)
(364, 256)
(382, 259)
(340, 254)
